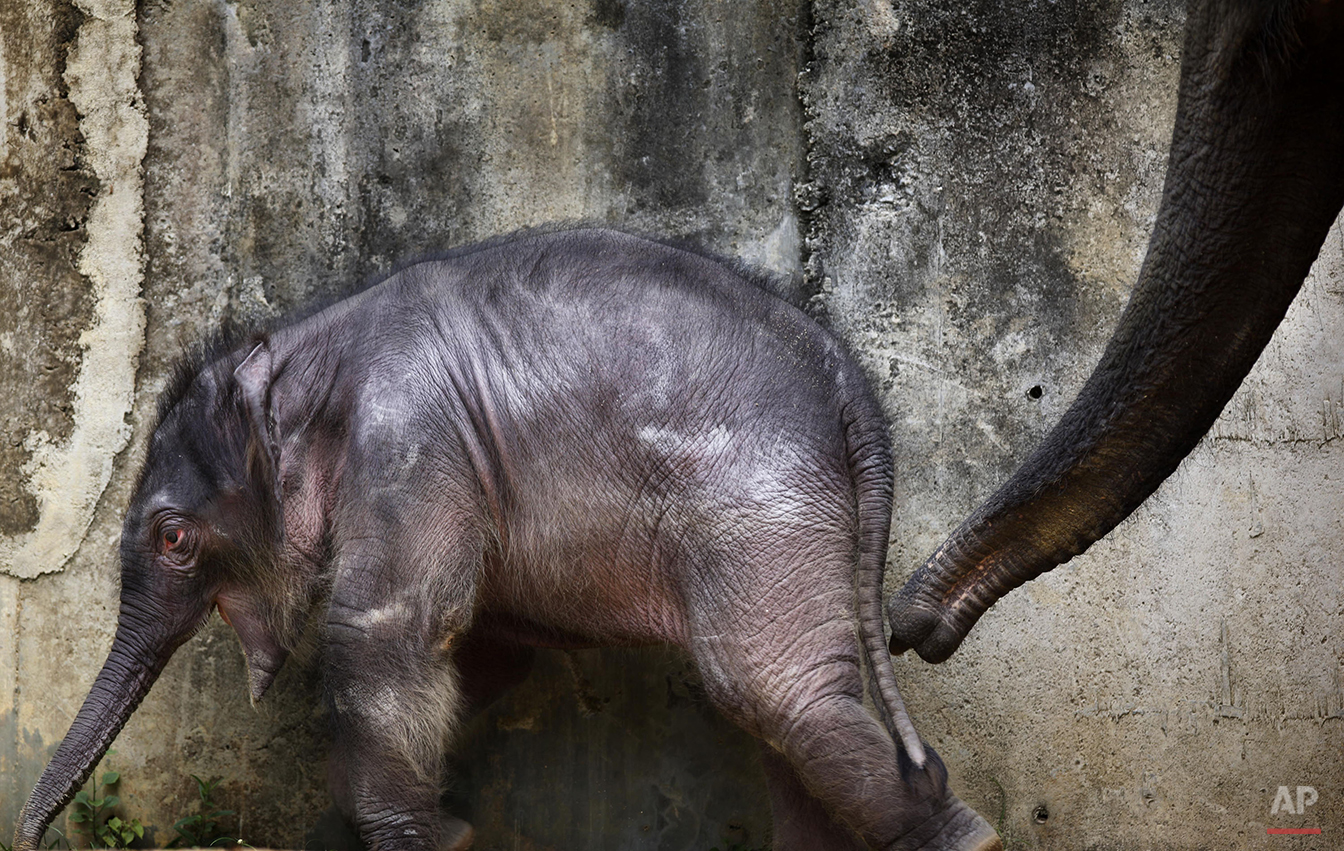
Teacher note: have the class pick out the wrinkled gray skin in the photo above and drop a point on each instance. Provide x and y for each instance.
(576, 439)
(1254, 180)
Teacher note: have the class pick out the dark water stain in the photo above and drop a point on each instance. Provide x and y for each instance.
(666, 95)
(23, 756)
(608, 13)
(45, 303)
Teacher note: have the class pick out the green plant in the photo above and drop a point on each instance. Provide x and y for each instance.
(95, 819)
(202, 830)
(1003, 828)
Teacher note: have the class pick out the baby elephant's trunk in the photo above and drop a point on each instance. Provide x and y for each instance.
(131, 668)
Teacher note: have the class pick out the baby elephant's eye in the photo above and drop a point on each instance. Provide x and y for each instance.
(176, 541)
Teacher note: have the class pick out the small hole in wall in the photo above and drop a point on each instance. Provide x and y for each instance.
(1035, 392)
(1040, 815)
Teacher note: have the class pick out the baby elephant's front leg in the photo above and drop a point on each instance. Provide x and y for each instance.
(393, 699)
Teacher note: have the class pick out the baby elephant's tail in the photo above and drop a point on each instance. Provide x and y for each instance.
(871, 465)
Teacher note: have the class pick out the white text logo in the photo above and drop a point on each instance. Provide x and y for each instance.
(1283, 801)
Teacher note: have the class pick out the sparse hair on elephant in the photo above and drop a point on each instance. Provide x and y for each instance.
(572, 439)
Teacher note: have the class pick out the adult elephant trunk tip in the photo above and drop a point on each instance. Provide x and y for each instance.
(937, 607)
(122, 683)
(917, 626)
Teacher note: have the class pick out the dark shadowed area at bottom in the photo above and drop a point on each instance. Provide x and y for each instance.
(601, 749)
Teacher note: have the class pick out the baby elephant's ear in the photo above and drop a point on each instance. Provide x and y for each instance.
(254, 380)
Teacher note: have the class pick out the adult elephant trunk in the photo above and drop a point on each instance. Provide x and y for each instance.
(132, 666)
(1254, 180)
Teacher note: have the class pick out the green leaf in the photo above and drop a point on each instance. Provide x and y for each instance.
(98, 803)
(59, 840)
(111, 801)
(110, 777)
(82, 797)
(114, 823)
(79, 817)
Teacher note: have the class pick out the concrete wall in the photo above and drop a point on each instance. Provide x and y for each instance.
(987, 177)
(963, 192)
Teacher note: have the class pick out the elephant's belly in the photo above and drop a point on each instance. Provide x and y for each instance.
(593, 603)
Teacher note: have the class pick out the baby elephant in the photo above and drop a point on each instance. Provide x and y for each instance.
(566, 440)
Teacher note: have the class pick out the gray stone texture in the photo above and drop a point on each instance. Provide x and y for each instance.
(962, 191)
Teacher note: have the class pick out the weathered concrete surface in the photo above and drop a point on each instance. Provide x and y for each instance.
(970, 198)
(63, 479)
(983, 181)
(70, 331)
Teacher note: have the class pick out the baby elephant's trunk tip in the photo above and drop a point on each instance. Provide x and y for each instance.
(27, 834)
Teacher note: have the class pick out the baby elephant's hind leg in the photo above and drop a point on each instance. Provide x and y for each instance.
(780, 656)
(801, 823)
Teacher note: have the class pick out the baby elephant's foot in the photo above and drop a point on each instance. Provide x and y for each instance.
(455, 834)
